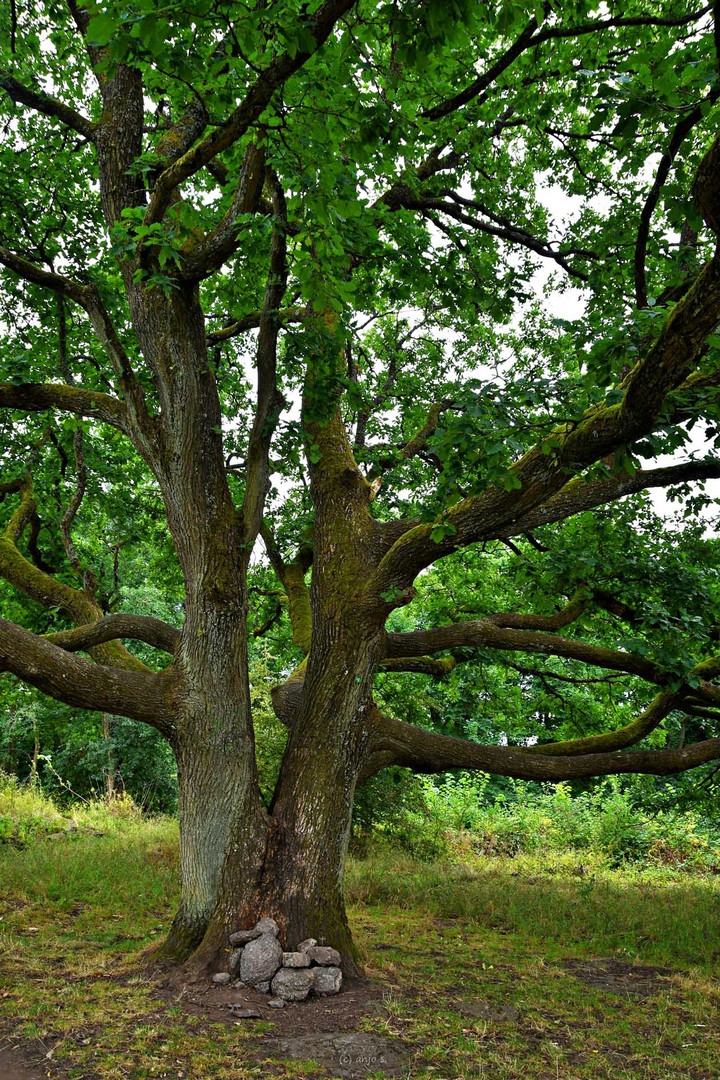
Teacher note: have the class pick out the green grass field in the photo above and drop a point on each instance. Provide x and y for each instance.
(545, 968)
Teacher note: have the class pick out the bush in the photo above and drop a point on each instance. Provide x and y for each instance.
(457, 816)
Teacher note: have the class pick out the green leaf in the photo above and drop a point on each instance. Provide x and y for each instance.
(101, 29)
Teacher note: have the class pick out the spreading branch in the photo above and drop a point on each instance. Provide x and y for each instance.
(417, 443)
(486, 634)
(402, 196)
(136, 422)
(140, 695)
(48, 105)
(397, 743)
(680, 133)
(39, 397)
(145, 628)
(252, 322)
(582, 494)
(528, 39)
(603, 429)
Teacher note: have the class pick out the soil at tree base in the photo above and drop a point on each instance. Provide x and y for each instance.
(340, 1013)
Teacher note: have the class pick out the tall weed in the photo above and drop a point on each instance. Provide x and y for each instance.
(455, 817)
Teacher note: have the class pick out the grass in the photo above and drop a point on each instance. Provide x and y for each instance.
(652, 915)
(490, 967)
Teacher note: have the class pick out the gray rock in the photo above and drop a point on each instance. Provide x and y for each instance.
(221, 978)
(323, 954)
(308, 943)
(246, 1014)
(276, 1003)
(293, 984)
(234, 963)
(295, 960)
(260, 960)
(328, 980)
(241, 937)
(268, 926)
(263, 987)
(238, 985)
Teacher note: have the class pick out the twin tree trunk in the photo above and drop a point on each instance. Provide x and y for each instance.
(240, 862)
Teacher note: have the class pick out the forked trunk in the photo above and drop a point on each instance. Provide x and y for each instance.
(292, 867)
(294, 874)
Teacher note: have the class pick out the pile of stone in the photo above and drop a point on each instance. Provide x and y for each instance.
(258, 961)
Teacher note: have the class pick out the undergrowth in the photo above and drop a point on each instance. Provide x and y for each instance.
(454, 817)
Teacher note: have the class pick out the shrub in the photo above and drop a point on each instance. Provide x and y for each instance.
(456, 816)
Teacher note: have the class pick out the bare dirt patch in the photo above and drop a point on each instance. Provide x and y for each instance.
(348, 1056)
(615, 977)
(342, 1012)
(19, 1065)
(481, 1010)
(322, 1029)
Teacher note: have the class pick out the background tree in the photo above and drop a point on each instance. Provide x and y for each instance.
(301, 242)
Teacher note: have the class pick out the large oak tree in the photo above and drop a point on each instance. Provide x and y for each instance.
(282, 258)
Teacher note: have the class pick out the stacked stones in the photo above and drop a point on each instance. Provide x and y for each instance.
(258, 961)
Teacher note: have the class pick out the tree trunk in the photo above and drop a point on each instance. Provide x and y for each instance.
(218, 803)
(292, 867)
(293, 873)
(36, 753)
(109, 759)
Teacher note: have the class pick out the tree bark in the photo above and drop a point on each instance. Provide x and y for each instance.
(290, 866)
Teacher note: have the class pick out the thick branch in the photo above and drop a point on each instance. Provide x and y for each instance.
(134, 627)
(620, 739)
(564, 617)
(424, 751)
(581, 494)
(37, 397)
(706, 187)
(420, 665)
(210, 254)
(82, 683)
(37, 276)
(269, 399)
(486, 634)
